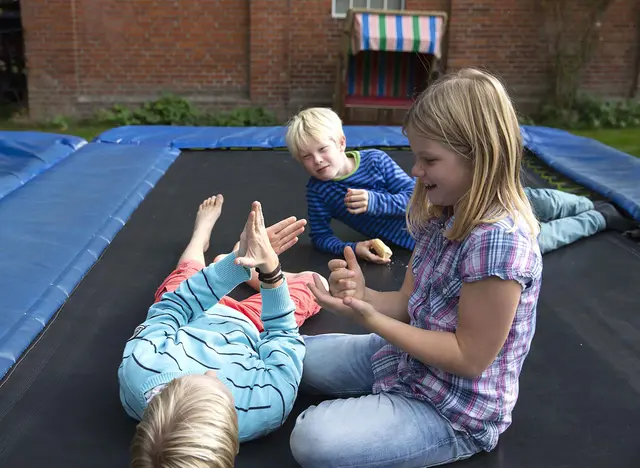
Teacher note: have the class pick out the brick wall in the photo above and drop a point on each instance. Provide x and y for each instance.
(506, 37)
(87, 54)
(501, 37)
(51, 56)
(612, 68)
(131, 50)
(314, 44)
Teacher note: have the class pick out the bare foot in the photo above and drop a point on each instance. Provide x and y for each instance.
(208, 214)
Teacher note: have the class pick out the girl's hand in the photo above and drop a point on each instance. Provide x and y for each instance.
(350, 307)
(254, 249)
(363, 251)
(346, 278)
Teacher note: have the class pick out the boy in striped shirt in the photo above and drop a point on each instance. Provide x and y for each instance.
(204, 372)
(366, 190)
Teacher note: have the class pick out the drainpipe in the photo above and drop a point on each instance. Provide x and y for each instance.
(635, 84)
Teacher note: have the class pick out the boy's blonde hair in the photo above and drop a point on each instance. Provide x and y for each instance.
(313, 124)
(189, 424)
(471, 113)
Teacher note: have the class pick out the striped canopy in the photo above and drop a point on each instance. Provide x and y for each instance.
(397, 33)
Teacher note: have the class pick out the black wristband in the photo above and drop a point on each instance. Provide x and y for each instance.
(268, 276)
(273, 280)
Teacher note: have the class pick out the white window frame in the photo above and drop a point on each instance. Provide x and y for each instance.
(334, 14)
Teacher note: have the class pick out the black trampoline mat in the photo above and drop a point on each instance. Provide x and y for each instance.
(579, 402)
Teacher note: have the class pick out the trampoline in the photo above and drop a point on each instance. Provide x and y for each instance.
(580, 387)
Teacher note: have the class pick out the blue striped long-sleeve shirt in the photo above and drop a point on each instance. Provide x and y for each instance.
(389, 189)
(189, 332)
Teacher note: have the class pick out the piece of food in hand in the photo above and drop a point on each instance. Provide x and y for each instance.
(381, 249)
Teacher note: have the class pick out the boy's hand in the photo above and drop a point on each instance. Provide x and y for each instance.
(363, 251)
(284, 234)
(254, 248)
(357, 201)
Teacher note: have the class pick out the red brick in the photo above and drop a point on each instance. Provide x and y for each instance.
(87, 54)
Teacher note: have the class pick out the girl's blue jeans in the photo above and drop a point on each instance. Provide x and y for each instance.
(360, 429)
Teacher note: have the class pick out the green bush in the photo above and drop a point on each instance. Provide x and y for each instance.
(242, 117)
(589, 113)
(174, 110)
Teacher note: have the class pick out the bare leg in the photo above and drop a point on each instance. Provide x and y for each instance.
(221, 256)
(208, 213)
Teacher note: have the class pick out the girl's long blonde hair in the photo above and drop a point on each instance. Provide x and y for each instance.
(471, 113)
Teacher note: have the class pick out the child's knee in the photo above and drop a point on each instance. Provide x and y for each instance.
(306, 305)
(312, 442)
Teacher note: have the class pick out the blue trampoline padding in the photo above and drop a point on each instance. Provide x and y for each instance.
(241, 137)
(605, 170)
(24, 155)
(55, 228)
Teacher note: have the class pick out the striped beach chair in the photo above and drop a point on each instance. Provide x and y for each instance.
(387, 58)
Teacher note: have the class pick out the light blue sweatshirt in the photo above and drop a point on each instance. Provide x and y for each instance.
(189, 332)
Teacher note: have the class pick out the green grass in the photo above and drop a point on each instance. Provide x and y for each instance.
(627, 140)
(88, 132)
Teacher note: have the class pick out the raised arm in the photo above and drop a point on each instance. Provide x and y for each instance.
(282, 351)
(280, 347)
(195, 295)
